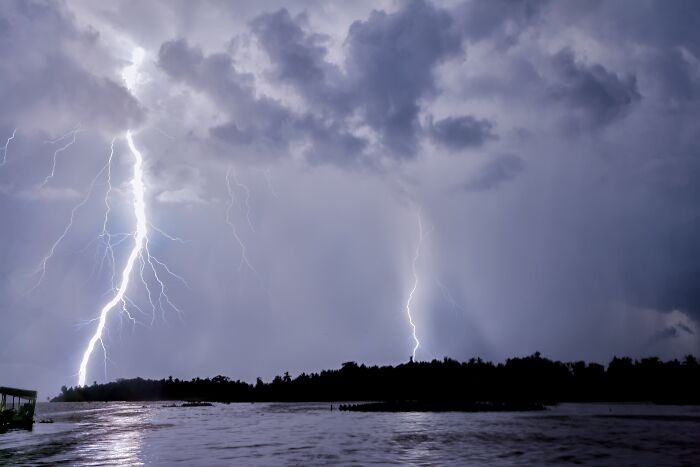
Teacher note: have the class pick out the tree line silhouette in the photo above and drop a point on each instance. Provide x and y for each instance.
(531, 378)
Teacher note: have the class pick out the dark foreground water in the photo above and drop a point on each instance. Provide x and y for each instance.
(310, 434)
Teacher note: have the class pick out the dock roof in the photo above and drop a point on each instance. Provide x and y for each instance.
(25, 393)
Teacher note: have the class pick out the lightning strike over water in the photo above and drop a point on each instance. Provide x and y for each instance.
(7, 144)
(140, 241)
(149, 264)
(415, 285)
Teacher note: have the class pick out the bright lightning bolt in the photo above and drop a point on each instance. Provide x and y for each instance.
(229, 221)
(415, 286)
(140, 240)
(7, 144)
(140, 251)
(150, 268)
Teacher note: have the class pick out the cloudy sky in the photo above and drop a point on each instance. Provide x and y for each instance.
(549, 150)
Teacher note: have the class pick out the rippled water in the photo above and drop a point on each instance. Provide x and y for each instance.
(310, 434)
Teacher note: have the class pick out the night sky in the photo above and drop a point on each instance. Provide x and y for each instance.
(550, 151)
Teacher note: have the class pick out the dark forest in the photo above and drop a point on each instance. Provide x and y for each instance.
(532, 378)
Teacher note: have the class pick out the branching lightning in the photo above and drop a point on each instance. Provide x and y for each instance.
(105, 236)
(149, 267)
(140, 237)
(168, 236)
(229, 221)
(268, 180)
(140, 251)
(447, 295)
(415, 285)
(41, 268)
(73, 133)
(7, 144)
(246, 197)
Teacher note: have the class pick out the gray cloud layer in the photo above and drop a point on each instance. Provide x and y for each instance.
(551, 148)
(44, 77)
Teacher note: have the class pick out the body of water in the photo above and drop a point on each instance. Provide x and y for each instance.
(311, 434)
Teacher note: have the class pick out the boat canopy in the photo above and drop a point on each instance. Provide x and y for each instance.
(23, 393)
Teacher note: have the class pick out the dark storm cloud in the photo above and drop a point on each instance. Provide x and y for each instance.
(666, 288)
(388, 67)
(681, 290)
(656, 23)
(671, 332)
(299, 60)
(580, 247)
(494, 173)
(390, 61)
(499, 21)
(214, 74)
(593, 95)
(254, 119)
(49, 77)
(461, 132)
(330, 141)
(663, 34)
(259, 121)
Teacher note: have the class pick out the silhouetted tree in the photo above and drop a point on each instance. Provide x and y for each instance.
(531, 378)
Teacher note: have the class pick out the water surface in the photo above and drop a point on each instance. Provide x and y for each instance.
(310, 434)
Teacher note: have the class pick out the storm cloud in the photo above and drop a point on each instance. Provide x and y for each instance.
(591, 92)
(549, 148)
(461, 132)
(46, 81)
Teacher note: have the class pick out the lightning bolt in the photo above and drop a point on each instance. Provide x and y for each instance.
(229, 221)
(415, 285)
(168, 236)
(447, 295)
(70, 143)
(268, 180)
(140, 242)
(150, 266)
(164, 133)
(7, 144)
(41, 268)
(140, 250)
(105, 236)
(246, 197)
